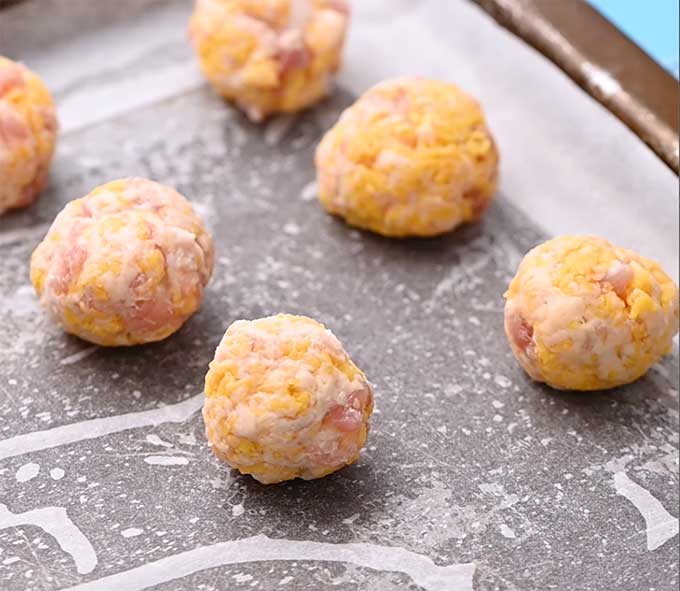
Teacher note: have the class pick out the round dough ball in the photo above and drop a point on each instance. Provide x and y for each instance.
(28, 131)
(270, 56)
(412, 157)
(284, 400)
(125, 265)
(582, 314)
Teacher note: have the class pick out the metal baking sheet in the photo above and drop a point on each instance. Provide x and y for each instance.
(473, 478)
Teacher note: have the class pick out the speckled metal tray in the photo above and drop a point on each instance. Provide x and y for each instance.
(474, 478)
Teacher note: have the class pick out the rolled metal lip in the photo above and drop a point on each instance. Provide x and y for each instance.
(604, 62)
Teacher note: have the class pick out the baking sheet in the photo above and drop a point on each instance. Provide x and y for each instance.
(473, 478)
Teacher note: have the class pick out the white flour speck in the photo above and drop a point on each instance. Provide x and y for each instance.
(291, 229)
(507, 532)
(310, 191)
(238, 510)
(56, 473)
(453, 389)
(131, 532)
(502, 381)
(11, 560)
(27, 472)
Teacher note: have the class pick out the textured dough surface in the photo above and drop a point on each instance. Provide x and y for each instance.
(412, 157)
(582, 314)
(125, 265)
(270, 56)
(28, 130)
(284, 400)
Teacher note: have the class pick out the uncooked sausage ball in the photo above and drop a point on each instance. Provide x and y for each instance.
(28, 129)
(412, 157)
(284, 400)
(125, 265)
(270, 56)
(582, 314)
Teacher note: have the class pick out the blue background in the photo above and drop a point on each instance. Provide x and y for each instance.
(652, 24)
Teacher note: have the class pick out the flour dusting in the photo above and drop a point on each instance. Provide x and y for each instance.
(56, 522)
(661, 525)
(260, 548)
(27, 472)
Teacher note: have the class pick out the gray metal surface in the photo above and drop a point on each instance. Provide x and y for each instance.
(468, 462)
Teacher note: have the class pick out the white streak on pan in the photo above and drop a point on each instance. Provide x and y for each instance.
(39, 440)
(55, 522)
(166, 460)
(661, 525)
(79, 356)
(260, 548)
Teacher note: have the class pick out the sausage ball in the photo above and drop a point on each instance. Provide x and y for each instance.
(270, 56)
(28, 130)
(284, 400)
(125, 265)
(582, 314)
(412, 157)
